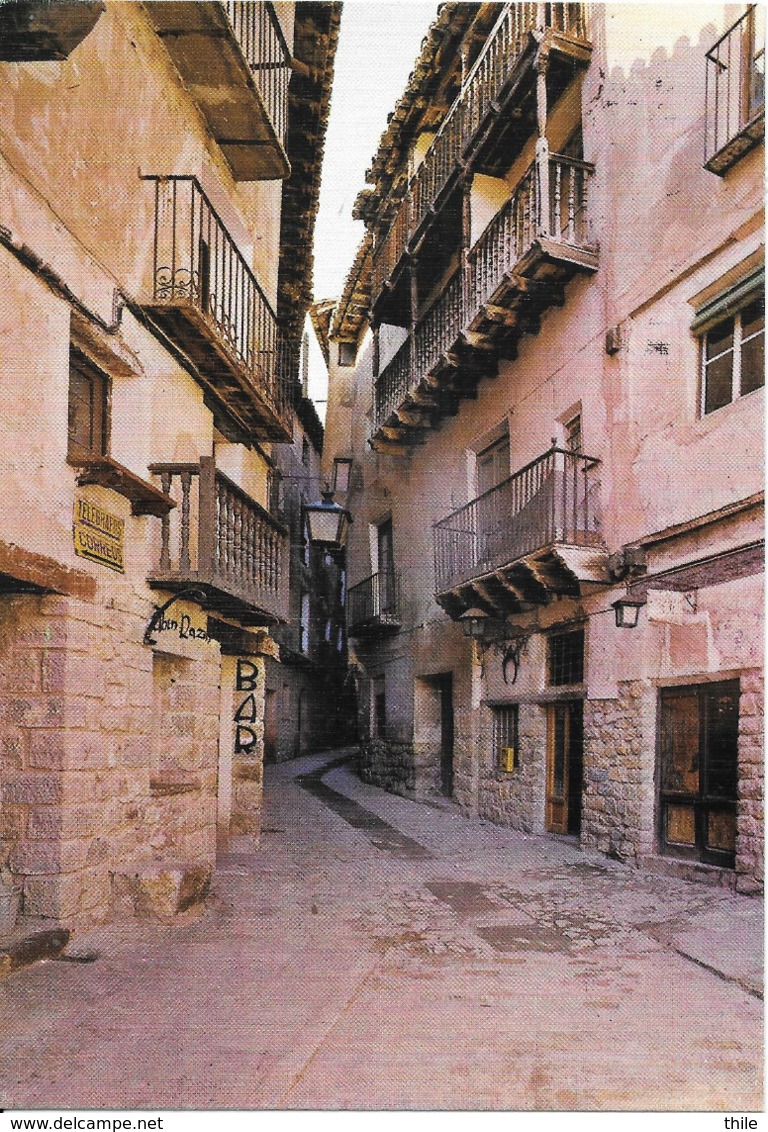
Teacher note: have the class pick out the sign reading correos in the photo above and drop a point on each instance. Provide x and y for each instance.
(99, 535)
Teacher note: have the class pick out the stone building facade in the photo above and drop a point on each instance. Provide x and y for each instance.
(546, 369)
(151, 303)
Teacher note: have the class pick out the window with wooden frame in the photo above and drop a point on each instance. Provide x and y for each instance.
(732, 343)
(572, 434)
(698, 771)
(565, 658)
(492, 465)
(506, 749)
(88, 415)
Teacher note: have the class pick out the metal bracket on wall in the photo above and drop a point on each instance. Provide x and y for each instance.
(190, 592)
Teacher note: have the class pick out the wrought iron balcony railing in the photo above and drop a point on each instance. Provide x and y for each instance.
(553, 500)
(372, 605)
(258, 31)
(207, 299)
(234, 61)
(735, 91)
(486, 80)
(513, 233)
(221, 540)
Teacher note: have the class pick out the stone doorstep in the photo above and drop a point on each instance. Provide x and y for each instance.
(697, 871)
(162, 891)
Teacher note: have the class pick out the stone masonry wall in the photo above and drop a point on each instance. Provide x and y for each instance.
(749, 830)
(614, 819)
(388, 764)
(82, 794)
(515, 799)
(179, 819)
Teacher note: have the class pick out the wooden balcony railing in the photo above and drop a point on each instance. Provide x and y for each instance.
(486, 80)
(553, 500)
(209, 301)
(372, 605)
(258, 31)
(523, 220)
(389, 250)
(392, 386)
(735, 91)
(221, 540)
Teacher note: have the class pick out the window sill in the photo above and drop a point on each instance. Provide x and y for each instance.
(145, 498)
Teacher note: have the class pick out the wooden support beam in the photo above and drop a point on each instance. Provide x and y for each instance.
(478, 342)
(502, 316)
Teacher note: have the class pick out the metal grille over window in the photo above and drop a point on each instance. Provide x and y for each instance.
(505, 739)
(566, 658)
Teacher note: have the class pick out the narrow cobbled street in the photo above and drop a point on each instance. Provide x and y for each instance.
(377, 953)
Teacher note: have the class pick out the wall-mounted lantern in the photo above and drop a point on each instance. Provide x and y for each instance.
(480, 626)
(327, 522)
(627, 611)
(509, 640)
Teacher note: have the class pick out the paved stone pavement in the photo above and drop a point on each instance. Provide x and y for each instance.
(379, 953)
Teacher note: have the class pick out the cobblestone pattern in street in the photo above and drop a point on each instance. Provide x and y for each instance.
(379, 953)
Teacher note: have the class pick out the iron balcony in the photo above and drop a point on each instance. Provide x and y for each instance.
(735, 91)
(534, 535)
(373, 606)
(235, 63)
(205, 298)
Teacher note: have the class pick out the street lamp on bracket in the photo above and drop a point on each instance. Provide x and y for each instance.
(327, 523)
(495, 632)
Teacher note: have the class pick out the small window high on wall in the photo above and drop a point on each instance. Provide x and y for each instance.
(565, 658)
(88, 409)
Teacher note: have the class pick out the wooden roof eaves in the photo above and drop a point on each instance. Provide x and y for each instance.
(352, 309)
(315, 43)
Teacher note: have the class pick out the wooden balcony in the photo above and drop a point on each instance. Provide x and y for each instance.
(735, 91)
(34, 32)
(207, 301)
(373, 607)
(497, 101)
(535, 535)
(223, 543)
(518, 267)
(235, 62)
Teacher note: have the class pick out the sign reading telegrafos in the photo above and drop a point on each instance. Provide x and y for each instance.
(99, 535)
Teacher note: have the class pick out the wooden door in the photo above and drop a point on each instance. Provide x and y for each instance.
(445, 690)
(564, 767)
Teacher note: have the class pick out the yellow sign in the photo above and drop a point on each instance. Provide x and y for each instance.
(99, 536)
